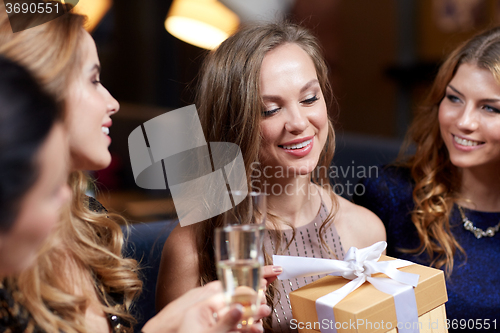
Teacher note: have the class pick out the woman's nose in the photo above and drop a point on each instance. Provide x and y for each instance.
(297, 120)
(112, 104)
(467, 121)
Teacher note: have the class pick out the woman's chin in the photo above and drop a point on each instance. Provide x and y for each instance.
(100, 165)
(91, 163)
(300, 170)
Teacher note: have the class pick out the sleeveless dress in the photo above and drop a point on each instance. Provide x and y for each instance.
(307, 243)
(473, 287)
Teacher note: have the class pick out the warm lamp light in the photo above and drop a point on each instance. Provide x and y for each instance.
(203, 23)
(93, 9)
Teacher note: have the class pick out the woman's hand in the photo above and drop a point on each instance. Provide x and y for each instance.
(262, 313)
(270, 273)
(201, 318)
(194, 312)
(201, 299)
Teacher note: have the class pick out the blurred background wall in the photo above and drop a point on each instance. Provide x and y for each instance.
(382, 55)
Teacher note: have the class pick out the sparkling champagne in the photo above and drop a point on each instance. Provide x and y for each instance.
(241, 280)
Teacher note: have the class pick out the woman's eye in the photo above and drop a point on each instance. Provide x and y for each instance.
(310, 100)
(96, 80)
(453, 98)
(269, 112)
(491, 109)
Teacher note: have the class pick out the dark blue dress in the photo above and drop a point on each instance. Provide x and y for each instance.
(474, 285)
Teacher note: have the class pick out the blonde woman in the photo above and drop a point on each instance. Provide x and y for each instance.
(80, 281)
(442, 207)
(266, 89)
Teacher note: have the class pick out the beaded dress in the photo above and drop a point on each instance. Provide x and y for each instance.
(307, 243)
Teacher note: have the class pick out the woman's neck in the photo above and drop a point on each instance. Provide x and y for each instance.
(294, 200)
(480, 189)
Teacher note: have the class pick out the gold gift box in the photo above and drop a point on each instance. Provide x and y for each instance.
(367, 309)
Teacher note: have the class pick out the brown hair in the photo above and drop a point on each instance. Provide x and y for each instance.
(437, 180)
(86, 242)
(230, 106)
(51, 51)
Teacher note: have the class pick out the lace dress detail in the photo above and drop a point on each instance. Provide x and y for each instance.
(13, 316)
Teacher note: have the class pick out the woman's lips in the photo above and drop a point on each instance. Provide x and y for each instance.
(299, 149)
(464, 144)
(105, 132)
(297, 145)
(105, 127)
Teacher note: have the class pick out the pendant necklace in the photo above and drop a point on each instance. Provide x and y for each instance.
(478, 232)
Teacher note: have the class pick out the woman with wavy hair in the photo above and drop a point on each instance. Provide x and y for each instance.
(442, 206)
(86, 249)
(266, 89)
(80, 281)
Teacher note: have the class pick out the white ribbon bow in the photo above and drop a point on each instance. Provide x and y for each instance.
(358, 266)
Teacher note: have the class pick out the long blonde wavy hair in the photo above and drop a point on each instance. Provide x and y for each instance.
(230, 107)
(437, 180)
(87, 243)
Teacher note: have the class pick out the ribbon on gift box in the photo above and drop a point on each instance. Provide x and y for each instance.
(358, 266)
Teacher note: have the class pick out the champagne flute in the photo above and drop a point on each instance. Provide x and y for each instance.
(239, 255)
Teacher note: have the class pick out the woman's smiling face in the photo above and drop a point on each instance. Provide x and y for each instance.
(469, 118)
(89, 107)
(294, 124)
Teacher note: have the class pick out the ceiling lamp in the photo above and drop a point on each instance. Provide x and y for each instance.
(260, 10)
(203, 23)
(93, 9)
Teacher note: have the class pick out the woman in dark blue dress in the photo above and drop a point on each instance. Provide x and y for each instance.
(441, 207)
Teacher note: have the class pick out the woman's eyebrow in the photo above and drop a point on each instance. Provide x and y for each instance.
(309, 84)
(455, 90)
(484, 100)
(304, 88)
(96, 67)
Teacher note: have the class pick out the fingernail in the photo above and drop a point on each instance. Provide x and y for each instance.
(277, 269)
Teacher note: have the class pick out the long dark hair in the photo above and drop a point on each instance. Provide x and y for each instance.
(27, 115)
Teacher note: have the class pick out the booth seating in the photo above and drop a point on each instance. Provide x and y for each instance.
(144, 242)
(357, 156)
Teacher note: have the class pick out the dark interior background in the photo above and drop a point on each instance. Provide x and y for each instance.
(382, 56)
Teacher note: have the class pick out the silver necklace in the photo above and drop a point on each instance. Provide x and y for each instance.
(478, 232)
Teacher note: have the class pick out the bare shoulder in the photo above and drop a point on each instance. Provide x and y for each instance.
(181, 239)
(357, 226)
(179, 266)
